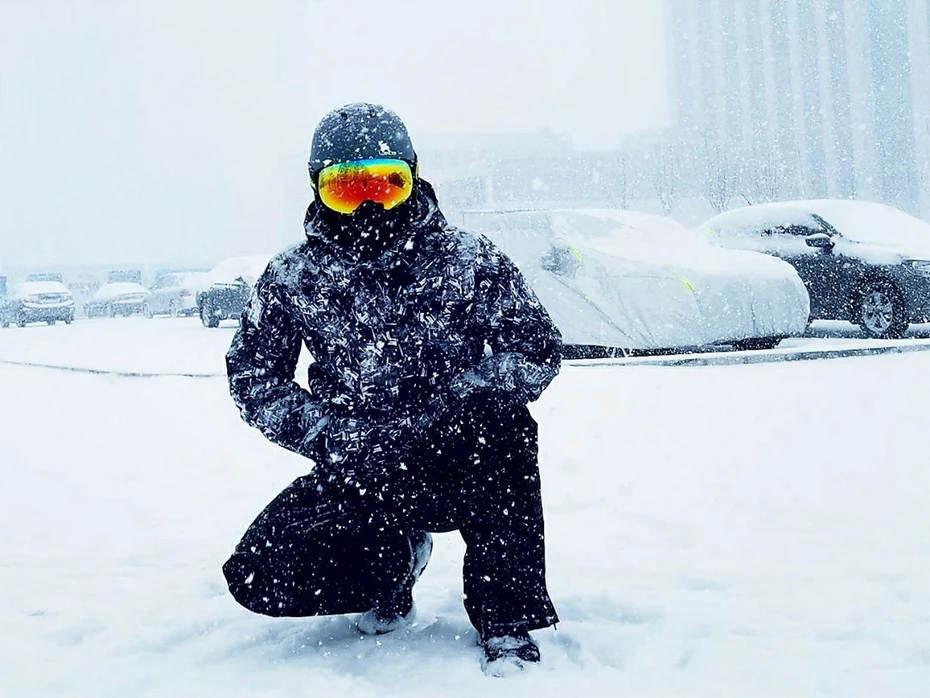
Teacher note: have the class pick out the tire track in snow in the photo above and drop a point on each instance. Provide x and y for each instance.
(107, 372)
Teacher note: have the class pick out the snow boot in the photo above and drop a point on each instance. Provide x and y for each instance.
(400, 609)
(509, 654)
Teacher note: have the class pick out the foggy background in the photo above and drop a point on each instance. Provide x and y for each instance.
(176, 131)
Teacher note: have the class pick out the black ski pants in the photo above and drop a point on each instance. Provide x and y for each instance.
(324, 546)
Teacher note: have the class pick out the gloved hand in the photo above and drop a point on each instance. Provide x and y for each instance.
(348, 437)
(504, 375)
(364, 453)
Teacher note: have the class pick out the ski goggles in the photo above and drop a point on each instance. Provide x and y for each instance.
(345, 186)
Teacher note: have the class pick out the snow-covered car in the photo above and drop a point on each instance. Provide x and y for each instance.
(38, 301)
(175, 294)
(639, 282)
(228, 286)
(121, 298)
(863, 262)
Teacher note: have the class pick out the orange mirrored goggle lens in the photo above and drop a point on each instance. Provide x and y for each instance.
(345, 186)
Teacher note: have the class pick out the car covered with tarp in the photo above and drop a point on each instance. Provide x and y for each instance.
(637, 282)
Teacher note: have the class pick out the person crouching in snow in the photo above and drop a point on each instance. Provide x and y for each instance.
(427, 346)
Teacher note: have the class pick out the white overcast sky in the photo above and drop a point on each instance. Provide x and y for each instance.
(176, 130)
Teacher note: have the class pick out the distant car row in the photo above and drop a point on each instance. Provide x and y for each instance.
(216, 295)
(626, 281)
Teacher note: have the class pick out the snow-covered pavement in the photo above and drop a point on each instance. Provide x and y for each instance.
(168, 346)
(756, 530)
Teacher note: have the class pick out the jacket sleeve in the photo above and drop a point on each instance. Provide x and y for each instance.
(522, 347)
(260, 365)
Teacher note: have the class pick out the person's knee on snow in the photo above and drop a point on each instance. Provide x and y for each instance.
(249, 587)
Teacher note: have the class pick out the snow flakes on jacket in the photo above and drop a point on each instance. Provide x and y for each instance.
(397, 342)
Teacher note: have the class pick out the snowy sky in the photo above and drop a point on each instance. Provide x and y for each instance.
(168, 130)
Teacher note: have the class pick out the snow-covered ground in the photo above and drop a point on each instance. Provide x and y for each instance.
(756, 530)
(182, 346)
(135, 344)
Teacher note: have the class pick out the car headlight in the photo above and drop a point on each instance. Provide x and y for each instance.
(919, 266)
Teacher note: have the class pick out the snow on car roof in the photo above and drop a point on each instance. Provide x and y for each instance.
(636, 237)
(120, 288)
(192, 279)
(861, 221)
(632, 235)
(752, 219)
(613, 220)
(866, 221)
(28, 288)
(610, 229)
(249, 267)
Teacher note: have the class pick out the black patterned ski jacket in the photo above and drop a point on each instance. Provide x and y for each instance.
(398, 342)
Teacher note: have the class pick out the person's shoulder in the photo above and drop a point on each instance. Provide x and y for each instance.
(469, 247)
(286, 268)
(295, 254)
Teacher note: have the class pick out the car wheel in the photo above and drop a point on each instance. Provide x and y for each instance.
(207, 316)
(50, 322)
(147, 311)
(21, 321)
(880, 310)
(5, 324)
(69, 320)
(757, 343)
(173, 309)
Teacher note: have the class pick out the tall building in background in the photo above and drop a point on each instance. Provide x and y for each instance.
(806, 98)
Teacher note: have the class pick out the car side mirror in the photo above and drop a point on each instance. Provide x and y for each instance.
(820, 241)
(561, 259)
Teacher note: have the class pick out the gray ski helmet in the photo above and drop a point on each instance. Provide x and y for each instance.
(359, 131)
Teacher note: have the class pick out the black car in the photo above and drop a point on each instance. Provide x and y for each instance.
(38, 301)
(228, 287)
(862, 262)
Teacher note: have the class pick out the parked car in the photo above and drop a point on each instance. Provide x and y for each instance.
(174, 294)
(228, 286)
(121, 298)
(863, 262)
(38, 301)
(644, 283)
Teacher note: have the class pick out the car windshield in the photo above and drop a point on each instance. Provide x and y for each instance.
(35, 288)
(121, 288)
(872, 223)
(194, 280)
